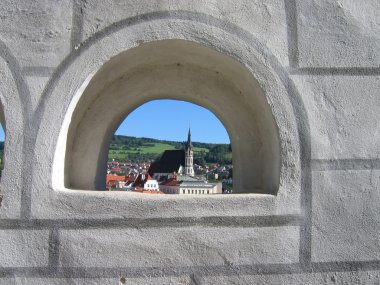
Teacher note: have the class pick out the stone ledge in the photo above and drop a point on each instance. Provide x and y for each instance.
(157, 222)
(359, 277)
(76, 204)
(96, 281)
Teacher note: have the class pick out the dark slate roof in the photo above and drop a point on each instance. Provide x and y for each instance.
(169, 162)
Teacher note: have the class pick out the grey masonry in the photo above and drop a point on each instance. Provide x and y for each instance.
(295, 83)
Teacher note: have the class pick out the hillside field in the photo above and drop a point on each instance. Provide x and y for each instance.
(125, 148)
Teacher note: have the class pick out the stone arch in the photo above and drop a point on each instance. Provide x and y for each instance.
(271, 82)
(3, 125)
(11, 118)
(2, 117)
(182, 70)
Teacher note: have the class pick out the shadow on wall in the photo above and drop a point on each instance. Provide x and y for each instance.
(180, 70)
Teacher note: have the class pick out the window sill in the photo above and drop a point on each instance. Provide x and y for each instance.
(86, 204)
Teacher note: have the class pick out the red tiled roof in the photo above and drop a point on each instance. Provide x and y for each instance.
(111, 177)
(116, 169)
(171, 182)
(130, 179)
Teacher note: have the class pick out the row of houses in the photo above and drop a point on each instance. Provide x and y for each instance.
(178, 184)
(172, 174)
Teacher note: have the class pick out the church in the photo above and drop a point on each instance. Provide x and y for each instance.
(175, 173)
(174, 162)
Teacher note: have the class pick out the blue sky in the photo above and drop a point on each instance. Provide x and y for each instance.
(1, 133)
(170, 120)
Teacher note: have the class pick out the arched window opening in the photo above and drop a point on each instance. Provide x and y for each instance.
(164, 146)
(2, 141)
(178, 70)
(2, 145)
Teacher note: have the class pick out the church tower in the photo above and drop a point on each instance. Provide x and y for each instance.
(189, 169)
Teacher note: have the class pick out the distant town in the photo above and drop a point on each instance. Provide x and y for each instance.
(174, 171)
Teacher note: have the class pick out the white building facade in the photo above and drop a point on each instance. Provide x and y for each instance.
(151, 184)
(188, 185)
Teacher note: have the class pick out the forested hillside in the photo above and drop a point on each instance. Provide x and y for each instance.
(125, 148)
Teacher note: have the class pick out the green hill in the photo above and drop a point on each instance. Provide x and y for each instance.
(126, 148)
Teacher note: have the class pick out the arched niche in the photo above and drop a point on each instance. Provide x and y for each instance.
(181, 70)
(3, 126)
(2, 122)
(12, 90)
(2, 118)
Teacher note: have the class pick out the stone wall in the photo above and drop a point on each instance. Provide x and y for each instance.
(318, 63)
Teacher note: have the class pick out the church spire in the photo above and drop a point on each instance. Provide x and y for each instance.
(189, 144)
(189, 169)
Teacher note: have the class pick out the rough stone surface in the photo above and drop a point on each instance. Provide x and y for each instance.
(346, 218)
(148, 280)
(12, 123)
(102, 205)
(302, 79)
(38, 32)
(23, 248)
(178, 247)
(329, 278)
(36, 86)
(285, 177)
(266, 20)
(339, 33)
(343, 112)
(56, 281)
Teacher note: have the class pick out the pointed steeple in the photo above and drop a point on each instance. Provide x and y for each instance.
(189, 169)
(189, 144)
